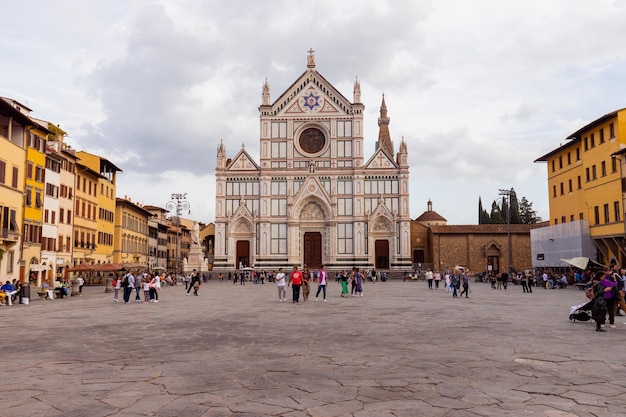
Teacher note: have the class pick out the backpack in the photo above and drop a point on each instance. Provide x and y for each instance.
(125, 281)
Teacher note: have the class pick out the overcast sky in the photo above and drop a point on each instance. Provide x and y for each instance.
(478, 89)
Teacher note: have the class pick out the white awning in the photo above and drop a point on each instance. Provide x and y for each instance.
(37, 268)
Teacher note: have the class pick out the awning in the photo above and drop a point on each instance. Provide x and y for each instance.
(37, 267)
(107, 267)
(81, 268)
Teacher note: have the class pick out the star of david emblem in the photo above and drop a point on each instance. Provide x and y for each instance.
(311, 101)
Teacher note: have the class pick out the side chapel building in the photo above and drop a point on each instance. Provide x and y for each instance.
(313, 199)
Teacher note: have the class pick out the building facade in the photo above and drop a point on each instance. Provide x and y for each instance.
(13, 132)
(131, 235)
(313, 198)
(586, 185)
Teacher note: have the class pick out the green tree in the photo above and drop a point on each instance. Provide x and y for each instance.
(483, 216)
(515, 214)
(527, 214)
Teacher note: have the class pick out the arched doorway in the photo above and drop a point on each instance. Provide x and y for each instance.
(381, 250)
(243, 253)
(312, 252)
(493, 253)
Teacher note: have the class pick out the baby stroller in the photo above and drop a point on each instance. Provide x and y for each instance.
(580, 312)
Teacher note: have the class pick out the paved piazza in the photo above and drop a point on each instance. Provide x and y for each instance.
(236, 351)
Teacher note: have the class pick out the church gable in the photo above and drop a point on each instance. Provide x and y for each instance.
(311, 189)
(380, 160)
(242, 212)
(312, 94)
(381, 210)
(242, 162)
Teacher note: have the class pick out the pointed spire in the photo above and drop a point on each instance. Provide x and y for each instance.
(383, 108)
(221, 155)
(265, 97)
(357, 91)
(384, 138)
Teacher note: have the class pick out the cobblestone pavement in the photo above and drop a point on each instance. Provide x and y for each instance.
(234, 350)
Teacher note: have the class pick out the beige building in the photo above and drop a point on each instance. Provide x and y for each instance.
(314, 198)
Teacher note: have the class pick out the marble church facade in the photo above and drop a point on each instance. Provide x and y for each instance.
(313, 198)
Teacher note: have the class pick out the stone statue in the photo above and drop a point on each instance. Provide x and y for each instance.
(195, 234)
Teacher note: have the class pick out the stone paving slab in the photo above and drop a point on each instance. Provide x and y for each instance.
(236, 351)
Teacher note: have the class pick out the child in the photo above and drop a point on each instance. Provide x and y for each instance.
(146, 290)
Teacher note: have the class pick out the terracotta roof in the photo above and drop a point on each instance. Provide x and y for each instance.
(430, 216)
(482, 228)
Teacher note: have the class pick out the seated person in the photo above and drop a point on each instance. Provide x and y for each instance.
(8, 291)
(59, 288)
(45, 287)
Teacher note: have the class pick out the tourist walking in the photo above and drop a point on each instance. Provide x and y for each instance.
(295, 280)
(138, 285)
(429, 278)
(145, 283)
(455, 283)
(117, 284)
(344, 283)
(322, 280)
(358, 278)
(524, 282)
(610, 294)
(437, 279)
(194, 283)
(448, 282)
(152, 288)
(598, 311)
(128, 284)
(280, 284)
(81, 281)
(465, 284)
(306, 281)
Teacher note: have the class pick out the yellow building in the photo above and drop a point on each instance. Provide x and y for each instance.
(105, 194)
(131, 235)
(585, 187)
(85, 212)
(13, 128)
(33, 205)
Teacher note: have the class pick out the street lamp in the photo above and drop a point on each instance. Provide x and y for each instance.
(177, 205)
(506, 196)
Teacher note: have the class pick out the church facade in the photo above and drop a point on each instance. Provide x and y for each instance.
(313, 198)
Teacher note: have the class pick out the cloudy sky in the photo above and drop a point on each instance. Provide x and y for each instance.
(478, 89)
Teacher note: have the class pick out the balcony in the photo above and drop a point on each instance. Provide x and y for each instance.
(9, 236)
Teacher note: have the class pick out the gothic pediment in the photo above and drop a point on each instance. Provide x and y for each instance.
(492, 248)
(242, 212)
(242, 162)
(381, 211)
(310, 95)
(312, 191)
(380, 160)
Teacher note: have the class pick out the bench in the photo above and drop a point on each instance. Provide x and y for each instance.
(60, 292)
(581, 286)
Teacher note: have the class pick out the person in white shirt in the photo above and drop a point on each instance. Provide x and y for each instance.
(322, 281)
(280, 284)
(429, 278)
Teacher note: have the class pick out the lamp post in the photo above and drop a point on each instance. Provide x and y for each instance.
(506, 196)
(177, 205)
